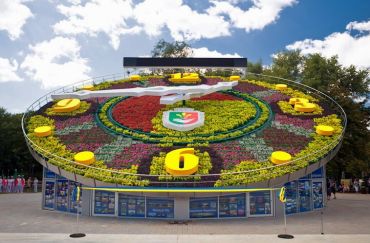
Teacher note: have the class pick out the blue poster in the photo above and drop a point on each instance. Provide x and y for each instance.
(104, 202)
(291, 196)
(62, 195)
(49, 174)
(317, 195)
(317, 173)
(260, 203)
(159, 208)
(304, 192)
(131, 206)
(203, 207)
(232, 206)
(49, 194)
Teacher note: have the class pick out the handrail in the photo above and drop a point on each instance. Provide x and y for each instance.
(96, 80)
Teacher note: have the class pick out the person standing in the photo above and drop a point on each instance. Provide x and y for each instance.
(10, 184)
(29, 184)
(333, 187)
(5, 184)
(1, 183)
(23, 182)
(35, 184)
(18, 184)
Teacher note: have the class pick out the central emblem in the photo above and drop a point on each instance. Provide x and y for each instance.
(183, 119)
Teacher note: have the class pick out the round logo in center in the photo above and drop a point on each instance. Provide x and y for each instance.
(183, 119)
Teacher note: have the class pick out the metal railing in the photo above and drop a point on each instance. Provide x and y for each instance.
(212, 177)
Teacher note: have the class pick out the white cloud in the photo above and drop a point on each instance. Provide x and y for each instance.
(116, 18)
(349, 48)
(259, 15)
(8, 70)
(96, 16)
(56, 62)
(13, 16)
(183, 22)
(204, 52)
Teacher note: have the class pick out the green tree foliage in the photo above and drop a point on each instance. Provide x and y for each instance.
(286, 65)
(255, 67)
(14, 154)
(346, 85)
(168, 49)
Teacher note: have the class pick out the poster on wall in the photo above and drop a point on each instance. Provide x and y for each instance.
(104, 202)
(232, 206)
(49, 194)
(62, 195)
(159, 208)
(304, 192)
(291, 196)
(131, 206)
(203, 207)
(260, 203)
(317, 195)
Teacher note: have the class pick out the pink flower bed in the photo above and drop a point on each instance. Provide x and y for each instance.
(305, 123)
(78, 147)
(231, 153)
(157, 82)
(276, 97)
(61, 124)
(249, 88)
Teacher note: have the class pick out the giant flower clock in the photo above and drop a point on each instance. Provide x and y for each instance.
(152, 131)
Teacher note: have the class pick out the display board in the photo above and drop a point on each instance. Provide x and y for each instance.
(291, 195)
(317, 173)
(49, 195)
(317, 195)
(104, 203)
(73, 204)
(232, 206)
(49, 174)
(304, 192)
(203, 207)
(62, 195)
(159, 208)
(260, 203)
(131, 206)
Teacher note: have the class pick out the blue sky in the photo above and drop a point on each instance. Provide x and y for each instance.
(46, 44)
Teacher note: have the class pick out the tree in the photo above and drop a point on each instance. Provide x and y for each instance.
(14, 154)
(287, 65)
(255, 67)
(168, 49)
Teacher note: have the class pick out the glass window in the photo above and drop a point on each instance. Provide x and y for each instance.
(203, 207)
(159, 208)
(131, 206)
(260, 203)
(73, 204)
(62, 195)
(291, 197)
(232, 206)
(304, 192)
(49, 194)
(317, 195)
(104, 202)
(317, 173)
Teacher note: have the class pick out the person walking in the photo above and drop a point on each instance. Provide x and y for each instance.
(10, 184)
(328, 189)
(1, 184)
(18, 184)
(356, 185)
(35, 184)
(333, 188)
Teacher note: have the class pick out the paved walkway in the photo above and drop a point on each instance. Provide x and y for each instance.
(21, 213)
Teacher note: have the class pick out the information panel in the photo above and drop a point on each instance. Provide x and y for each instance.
(131, 206)
(49, 195)
(232, 206)
(304, 192)
(317, 195)
(291, 196)
(317, 173)
(62, 195)
(159, 208)
(104, 202)
(260, 203)
(49, 174)
(203, 207)
(73, 204)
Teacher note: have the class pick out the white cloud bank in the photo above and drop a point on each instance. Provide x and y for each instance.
(13, 15)
(8, 70)
(56, 62)
(204, 52)
(115, 18)
(350, 48)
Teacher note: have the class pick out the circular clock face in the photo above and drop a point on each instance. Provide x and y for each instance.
(231, 133)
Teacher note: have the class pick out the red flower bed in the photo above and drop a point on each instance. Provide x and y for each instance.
(137, 112)
(217, 96)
